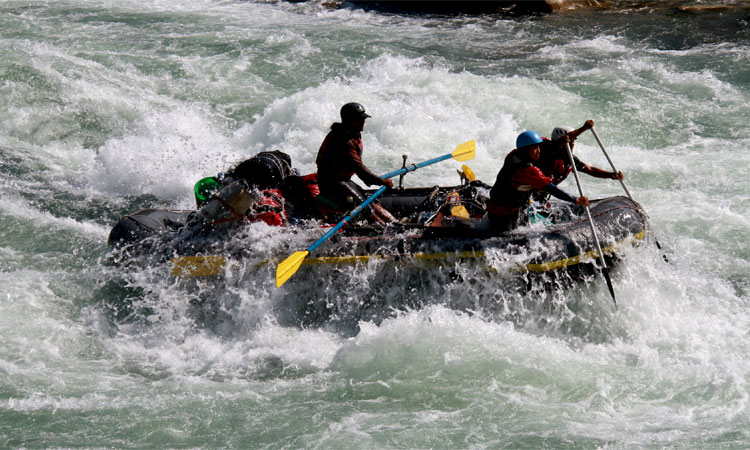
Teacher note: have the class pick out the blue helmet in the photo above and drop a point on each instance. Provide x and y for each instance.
(528, 138)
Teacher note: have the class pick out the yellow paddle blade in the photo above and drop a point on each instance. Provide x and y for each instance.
(460, 211)
(197, 266)
(468, 173)
(289, 267)
(465, 151)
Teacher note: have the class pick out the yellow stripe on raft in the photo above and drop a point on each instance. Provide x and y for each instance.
(198, 266)
(573, 260)
(544, 267)
(212, 265)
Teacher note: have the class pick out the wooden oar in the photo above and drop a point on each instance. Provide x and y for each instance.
(289, 266)
(625, 188)
(605, 270)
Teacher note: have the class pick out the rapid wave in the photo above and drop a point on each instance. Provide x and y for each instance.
(111, 108)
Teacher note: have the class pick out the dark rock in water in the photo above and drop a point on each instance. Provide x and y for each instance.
(472, 6)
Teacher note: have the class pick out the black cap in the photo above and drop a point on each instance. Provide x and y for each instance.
(352, 111)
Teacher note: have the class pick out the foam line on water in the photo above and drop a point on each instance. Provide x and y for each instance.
(21, 209)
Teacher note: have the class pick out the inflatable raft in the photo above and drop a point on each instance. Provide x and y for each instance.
(442, 225)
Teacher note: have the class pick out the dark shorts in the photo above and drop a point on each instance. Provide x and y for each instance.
(345, 194)
(507, 222)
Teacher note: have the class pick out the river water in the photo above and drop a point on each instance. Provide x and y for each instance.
(110, 107)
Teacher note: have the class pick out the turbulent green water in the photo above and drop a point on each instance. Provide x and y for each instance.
(110, 107)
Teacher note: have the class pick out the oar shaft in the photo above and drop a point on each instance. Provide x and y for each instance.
(591, 224)
(596, 238)
(369, 200)
(346, 219)
(289, 266)
(622, 183)
(612, 164)
(588, 212)
(382, 189)
(416, 166)
(463, 152)
(375, 195)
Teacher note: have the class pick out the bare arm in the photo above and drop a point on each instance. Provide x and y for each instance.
(366, 174)
(589, 124)
(600, 173)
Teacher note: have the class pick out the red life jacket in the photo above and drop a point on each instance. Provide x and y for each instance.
(340, 156)
(324, 207)
(555, 163)
(515, 182)
(269, 209)
(311, 181)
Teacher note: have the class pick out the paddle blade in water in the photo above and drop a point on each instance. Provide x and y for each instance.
(465, 151)
(609, 285)
(289, 267)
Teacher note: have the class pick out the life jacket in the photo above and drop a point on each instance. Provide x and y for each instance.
(269, 208)
(311, 181)
(508, 194)
(562, 168)
(333, 158)
(555, 163)
(325, 208)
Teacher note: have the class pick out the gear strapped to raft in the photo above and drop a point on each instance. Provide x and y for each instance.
(265, 170)
(247, 192)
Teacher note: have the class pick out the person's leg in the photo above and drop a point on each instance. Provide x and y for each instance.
(504, 223)
(382, 213)
(377, 212)
(348, 195)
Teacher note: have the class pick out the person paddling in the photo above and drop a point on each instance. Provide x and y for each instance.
(340, 157)
(517, 180)
(554, 162)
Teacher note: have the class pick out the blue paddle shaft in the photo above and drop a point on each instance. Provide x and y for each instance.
(375, 195)
(346, 219)
(414, 167)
